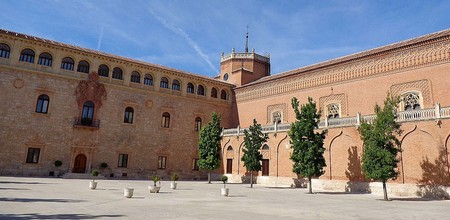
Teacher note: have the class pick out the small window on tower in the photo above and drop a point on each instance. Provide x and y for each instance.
(225, 77)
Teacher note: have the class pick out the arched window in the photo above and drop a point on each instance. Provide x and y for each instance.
(265, 147)
(67, 63)
(45, 59)
(83, 66)
(276, 117)
(135, 77)
(333, 111)
(128, 118)
(200, 90)
(87, 115)
(103, 70)
(148, 80)
(42, 104)
(27, 55)
(117, 73)
(411, 101)
(190, 88)
(214, 93)
(176, 85)
(164, 83)
(4, 50)
(223, 95)
(230, 148)
(165, 120)
(198, 124)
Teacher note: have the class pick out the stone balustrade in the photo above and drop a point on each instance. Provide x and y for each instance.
(436, 113)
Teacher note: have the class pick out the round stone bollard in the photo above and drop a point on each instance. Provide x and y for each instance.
(128, 192)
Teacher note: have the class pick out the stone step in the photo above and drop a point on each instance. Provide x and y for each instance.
(81, 176)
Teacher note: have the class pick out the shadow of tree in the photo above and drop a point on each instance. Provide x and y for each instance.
(246, 177)
(39, 200)
(56, 216)
(435, 177)
(356, 182)
(300, 182)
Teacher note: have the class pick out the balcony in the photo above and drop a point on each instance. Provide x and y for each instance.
(86, 123)
(436, 114)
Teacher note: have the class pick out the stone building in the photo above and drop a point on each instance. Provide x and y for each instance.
(136, 117)
(85, 107)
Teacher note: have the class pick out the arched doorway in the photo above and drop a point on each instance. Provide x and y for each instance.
(80, 164)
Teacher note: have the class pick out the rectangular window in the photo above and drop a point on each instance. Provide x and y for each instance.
(123, 160)
(195, 164)
(33, 155)
(162, 162)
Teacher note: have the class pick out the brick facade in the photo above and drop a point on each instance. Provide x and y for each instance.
(346, 87)
(354, 84)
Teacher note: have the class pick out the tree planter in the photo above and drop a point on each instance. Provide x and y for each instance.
(154, 189)
(128, 192)
(173, 185)
(92, 185)
(224, 191)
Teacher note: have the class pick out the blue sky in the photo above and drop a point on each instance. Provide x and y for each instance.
(190, 35)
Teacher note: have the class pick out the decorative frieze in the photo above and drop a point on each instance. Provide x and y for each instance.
(413, 57)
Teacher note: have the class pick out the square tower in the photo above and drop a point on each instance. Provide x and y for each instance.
(242, 68)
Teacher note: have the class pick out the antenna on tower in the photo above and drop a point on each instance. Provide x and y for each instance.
(246, 41)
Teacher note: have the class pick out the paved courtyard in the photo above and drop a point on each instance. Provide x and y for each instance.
(55, 198)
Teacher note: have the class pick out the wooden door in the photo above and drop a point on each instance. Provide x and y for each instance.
(265, 167)
(229, 165)
(80, 164)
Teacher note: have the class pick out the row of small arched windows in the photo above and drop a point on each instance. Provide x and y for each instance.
(87, 114)
(67, 63)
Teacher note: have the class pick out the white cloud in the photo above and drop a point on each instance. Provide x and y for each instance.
(186, 37)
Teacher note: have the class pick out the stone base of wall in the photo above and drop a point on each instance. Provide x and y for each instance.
(376, 188)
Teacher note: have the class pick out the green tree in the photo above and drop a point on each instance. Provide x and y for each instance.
(253, 141)
(209, 145)
(381, 145)
(307, 145)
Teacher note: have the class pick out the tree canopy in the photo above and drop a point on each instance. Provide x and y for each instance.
(307, 144)
(209, 145)
(253, 141)
(381, 145)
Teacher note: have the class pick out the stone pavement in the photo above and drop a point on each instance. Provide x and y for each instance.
(55, 198)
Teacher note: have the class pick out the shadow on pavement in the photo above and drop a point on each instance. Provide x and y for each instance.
(55, 216)
(39, 200)
(416, 199)
(13, 182)
(7, 188)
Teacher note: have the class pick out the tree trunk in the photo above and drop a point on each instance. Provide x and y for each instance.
(310, 185)
(251, 179)
(384, 190)
(209, 177)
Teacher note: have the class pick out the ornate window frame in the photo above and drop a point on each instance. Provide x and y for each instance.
(417, 95)
(333, 110)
